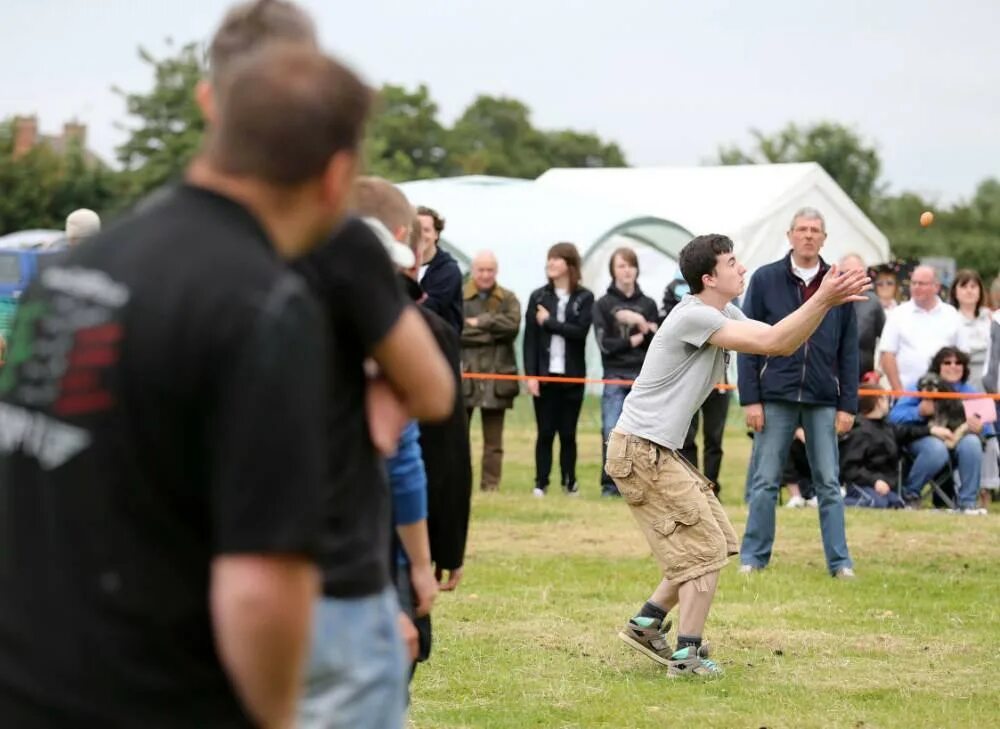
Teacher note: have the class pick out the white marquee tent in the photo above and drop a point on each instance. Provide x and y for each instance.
(519, 220)
(752, 204)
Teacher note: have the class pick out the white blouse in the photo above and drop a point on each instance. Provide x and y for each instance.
(972, 339)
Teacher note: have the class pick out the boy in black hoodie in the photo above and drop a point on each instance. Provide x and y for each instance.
(625, 321)
(869, 455)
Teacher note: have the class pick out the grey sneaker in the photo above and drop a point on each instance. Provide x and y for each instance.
(845, 573)
(648, 638)
(690, 662)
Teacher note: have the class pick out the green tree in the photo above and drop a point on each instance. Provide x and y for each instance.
(576, 149)
(850, 160)
(85, 183)
(40, 188)
(405, 140)
(968, 232)
(495, 136)
(26, 184)
(985, 205)
(169, 125)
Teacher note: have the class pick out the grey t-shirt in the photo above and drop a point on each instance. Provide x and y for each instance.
(678, 374)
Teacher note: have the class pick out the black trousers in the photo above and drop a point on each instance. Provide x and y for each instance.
(714, 411)
(557, 410)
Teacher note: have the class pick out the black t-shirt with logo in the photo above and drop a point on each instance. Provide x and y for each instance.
(162, 404)
(356, 284)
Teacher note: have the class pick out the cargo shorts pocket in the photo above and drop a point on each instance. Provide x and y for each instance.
(623, 474)
(685, 540)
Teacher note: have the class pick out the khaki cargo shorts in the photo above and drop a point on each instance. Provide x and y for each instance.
(674, 505)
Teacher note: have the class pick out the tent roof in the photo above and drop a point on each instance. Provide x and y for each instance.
(735, 200)
(519, 220)
(487, 212)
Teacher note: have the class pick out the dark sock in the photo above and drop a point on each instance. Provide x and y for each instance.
(650, 610)
(683, 641)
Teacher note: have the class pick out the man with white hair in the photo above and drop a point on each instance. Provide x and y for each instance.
(871, 317)
(82, 224)
(492, 320)
(815, 388)
(917, 329)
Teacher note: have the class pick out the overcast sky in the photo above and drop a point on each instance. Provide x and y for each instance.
(668, 80)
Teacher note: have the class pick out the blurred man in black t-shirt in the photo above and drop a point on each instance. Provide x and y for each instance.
(161, 431)
(356, 676)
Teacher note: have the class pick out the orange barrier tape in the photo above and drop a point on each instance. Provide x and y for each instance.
(724, 386)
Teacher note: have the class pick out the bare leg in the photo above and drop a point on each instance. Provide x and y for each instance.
(665, 595)
(695, 601)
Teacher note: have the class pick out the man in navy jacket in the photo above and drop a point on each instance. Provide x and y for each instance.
(440, 276)
(817, 388)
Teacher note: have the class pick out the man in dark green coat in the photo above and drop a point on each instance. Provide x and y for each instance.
(492, 319)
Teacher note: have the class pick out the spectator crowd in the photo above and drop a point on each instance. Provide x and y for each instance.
(884, 344)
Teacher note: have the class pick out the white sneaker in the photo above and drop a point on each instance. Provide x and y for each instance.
(812, 503)
(973, 511)
(796, 502)
(845, 573)
(538, 493)
(746, 569)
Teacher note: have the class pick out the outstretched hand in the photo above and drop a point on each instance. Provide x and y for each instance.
(840, 287)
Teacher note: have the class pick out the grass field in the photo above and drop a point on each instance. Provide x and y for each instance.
(528, 640)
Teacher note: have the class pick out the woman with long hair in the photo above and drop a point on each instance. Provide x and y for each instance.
(968, 295)
(557, 319)
(887, 287)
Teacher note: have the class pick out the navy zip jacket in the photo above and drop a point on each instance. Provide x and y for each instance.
(824, 370)
(443, 284)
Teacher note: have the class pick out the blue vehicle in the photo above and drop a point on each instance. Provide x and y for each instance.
(20, 261)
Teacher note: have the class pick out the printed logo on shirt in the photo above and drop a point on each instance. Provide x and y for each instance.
(61, 349)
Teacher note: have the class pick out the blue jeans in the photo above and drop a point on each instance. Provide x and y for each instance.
(930, 456)
(770, 449)
(612, 401)
(867, 497)
(358, 666)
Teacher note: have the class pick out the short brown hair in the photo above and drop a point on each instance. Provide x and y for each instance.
(284, 113)
(963, 276)
(433, 214)
(247, 27)
(626, 254)
(699, 257)
(569, 253)
(378, 198)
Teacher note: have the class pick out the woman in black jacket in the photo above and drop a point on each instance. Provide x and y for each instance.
(625, 321)
(557, 319)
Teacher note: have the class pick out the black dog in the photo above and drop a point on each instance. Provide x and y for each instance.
(948, 413)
